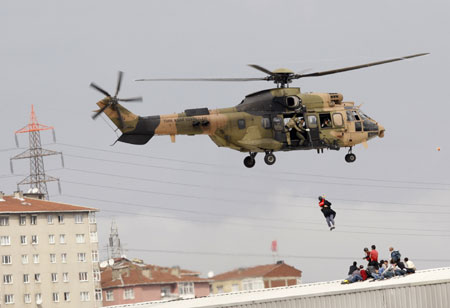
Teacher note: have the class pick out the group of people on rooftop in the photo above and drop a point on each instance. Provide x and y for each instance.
(379, 270)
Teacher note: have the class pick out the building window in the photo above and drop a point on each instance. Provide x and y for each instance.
(6, 260)
(5, 240)
(83, 276)
(34, 239)
(94, 255)
(252, 284)
(62, 238)
(219, 289)
(64, 258)
(235, 287)
(84, 296)
(80, 238)
(55, 297)
(9, 298)
(22, 220)
(186, 288)
(23, 239)
(27, 298)
(7, 279)
(94, 237)
(98, 295)
(51, 239)
(92, 219)
(52, 258)
(128, 293)
(96, 274)
(50, 219)
(24, 259)
(33, 220)
(66, 277)
(61, 219)
(54, 277)
(109, 295)
(36, 258)
(67, 296)
(4, 221)
(78, 218)
(38, 297)
(81, 257)
(26, 278)
(37, 278)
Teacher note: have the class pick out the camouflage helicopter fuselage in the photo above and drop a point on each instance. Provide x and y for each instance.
(257, 124)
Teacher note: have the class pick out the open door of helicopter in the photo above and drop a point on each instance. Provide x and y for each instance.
(313, 126)
(278, 128)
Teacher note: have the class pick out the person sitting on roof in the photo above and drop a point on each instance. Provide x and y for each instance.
(409, 266)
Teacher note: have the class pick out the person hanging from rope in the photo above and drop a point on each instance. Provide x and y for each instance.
(325, 207)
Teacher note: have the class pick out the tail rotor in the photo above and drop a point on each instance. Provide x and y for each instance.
(113, 101)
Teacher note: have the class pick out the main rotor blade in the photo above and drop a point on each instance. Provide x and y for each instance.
(262, 69)
(350, 68)
(202, 79)
(93, 85)
(130, 100)
(100, 111)
(119, 82)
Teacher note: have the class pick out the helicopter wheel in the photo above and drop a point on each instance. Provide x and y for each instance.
(249, 161)
(270, 159)
(350, 158)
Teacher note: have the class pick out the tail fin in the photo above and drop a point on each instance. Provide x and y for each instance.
(116, 112)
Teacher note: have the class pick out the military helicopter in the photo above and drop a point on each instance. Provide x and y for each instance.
(277, 119)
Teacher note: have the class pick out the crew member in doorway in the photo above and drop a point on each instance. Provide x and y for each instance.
(325, 207)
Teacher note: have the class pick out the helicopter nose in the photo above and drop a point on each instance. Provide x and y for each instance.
(381, 131)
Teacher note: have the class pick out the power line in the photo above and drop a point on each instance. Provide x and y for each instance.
(264, 226)
(235, 201)
(277, 179)
(238, 254)
(279, 172)
(258, 192)
(279, 220)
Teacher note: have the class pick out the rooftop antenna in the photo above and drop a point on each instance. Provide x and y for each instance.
(114, 247)
(37, 178)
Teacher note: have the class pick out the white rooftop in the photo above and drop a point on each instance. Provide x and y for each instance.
(423, 277)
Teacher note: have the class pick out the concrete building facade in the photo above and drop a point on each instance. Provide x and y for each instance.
(257, 277)
(49, 254)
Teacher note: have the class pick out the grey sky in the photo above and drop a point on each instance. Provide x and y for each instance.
(51, 51)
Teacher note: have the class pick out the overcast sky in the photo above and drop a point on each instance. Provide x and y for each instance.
(195, 205)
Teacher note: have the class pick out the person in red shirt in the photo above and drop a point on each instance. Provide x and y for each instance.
(373, 257)
(325, 207)
(362, 272)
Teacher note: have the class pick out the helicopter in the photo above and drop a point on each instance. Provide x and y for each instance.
(271, 120)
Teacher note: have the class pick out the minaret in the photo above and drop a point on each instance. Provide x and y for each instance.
(37, 178)
(114, 247)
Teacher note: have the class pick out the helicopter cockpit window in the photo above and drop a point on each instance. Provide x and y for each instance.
(312, 121)
(356, 115)
(337, 119)
(241, 123)
(265, 122)
(350, 116)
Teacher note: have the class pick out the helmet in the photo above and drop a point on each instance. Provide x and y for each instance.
(320, 198)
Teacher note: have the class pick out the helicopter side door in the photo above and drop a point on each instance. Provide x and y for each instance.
(313, 126)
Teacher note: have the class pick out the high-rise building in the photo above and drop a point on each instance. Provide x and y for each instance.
(49, 254)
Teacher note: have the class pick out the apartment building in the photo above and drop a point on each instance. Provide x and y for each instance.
(256, 277)
(131, 281)
(49, 254)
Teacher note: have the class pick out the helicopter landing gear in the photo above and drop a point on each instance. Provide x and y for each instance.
(250, 161)
(350, 157)
(270, 159)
